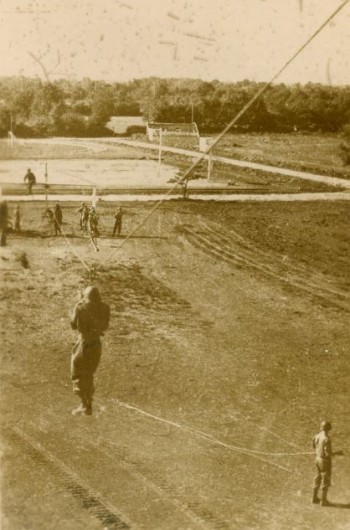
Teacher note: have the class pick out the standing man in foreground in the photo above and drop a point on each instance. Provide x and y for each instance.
(91, 319)
(323, 449)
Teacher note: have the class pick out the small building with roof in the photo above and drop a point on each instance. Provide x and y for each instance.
(126, 125)
(171, 129)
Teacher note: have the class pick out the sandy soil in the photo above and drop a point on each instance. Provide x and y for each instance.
(102, 173)
(228, 343)
(64, 148)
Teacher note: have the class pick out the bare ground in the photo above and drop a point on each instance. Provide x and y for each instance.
(315, 152)
(228, 343)
(65, 149)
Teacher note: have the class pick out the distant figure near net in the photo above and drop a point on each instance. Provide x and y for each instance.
(3, 221)
(30, 177)
(84, 216)
(118, 222)
(17, 219)
(91, 319)
(57, 219)
(93, 226)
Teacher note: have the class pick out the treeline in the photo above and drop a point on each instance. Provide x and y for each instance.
(32, 107)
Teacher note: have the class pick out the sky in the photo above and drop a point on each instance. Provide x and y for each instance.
(120, 40)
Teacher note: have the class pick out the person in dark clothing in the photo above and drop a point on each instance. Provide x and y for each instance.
(93, 222)
(84, 216)
(91, 319)
(30, 177)
(17, 219)
(57, 219)
(3, 221)
(118, 222)
(93, 227)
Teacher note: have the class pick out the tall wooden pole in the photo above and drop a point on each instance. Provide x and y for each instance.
(46, 187)
(160, 150)
(11, 129)
(210, 162)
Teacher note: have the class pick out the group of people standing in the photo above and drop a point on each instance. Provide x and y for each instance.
(89, 220)
(56, 216)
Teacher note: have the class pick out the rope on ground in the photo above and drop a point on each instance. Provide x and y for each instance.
(229, 125)
(268, 431)
(212, 439)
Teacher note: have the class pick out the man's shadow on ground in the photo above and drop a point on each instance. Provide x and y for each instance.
(339, 505)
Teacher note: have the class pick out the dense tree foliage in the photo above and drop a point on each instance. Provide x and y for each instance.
(82, 108)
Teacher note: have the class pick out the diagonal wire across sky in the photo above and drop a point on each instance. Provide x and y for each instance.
(234, 120)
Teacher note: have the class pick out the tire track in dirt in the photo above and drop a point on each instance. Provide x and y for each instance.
(193, 510)
(112, 456)
(251, 253)
(215, 244)
(109, 516)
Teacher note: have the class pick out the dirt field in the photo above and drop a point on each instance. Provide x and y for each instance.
(318, 153)
(229, 342)
(67, 149)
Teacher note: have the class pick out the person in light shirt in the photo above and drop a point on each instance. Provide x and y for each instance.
(323, 451)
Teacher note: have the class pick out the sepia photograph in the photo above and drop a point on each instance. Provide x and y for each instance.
(175, 264)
